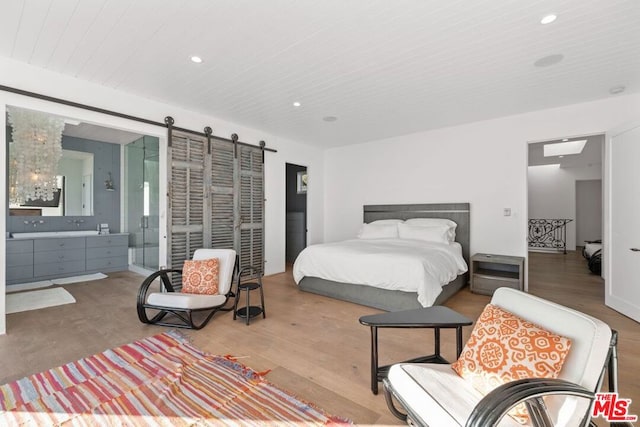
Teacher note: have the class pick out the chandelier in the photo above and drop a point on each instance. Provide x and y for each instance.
(34, 155)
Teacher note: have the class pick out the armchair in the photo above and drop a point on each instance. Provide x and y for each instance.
(433, 394)
(182, 306)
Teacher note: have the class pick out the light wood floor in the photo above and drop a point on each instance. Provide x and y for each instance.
(313, 345)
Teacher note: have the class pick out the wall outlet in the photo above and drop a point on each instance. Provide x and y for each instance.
(506, 212)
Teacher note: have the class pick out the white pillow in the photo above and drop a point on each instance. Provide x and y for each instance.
(429, 222)
(437, 234)
(378, 231)
(387, 221)
(432, 222)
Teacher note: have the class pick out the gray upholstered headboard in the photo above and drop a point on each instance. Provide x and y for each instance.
(458, 212)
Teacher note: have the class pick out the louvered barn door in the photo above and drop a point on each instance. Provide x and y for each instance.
(251, 207)
(222, 216)
(186, 209)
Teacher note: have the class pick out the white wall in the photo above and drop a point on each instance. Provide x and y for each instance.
(275, 177)
(22, 76)
(484, 163)
(552, 193)
(589, 206)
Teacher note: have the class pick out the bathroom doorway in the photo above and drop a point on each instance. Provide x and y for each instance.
(296, 211)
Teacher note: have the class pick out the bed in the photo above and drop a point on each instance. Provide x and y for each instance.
(592, 251)
(338, 277)
(591, 248)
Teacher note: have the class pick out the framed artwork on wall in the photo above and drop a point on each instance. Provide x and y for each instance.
(302, 182)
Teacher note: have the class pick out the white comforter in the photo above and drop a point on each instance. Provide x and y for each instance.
(394, 264)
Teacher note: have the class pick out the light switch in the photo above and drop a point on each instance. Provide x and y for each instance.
(507, 212)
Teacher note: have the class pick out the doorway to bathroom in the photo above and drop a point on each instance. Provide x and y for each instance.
(142, 201)
(296, 208)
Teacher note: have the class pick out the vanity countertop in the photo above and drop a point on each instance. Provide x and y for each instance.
(58, 234)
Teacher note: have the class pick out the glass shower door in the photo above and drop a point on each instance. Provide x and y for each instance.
(142, 214)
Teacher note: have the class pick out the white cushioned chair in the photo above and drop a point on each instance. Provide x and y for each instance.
(434, 394)
(182, 306)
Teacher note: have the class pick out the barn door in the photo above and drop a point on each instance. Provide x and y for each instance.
(186, 197)
(216, 199)
(250, 211)
(221, 202)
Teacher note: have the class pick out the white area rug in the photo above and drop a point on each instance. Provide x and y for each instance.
(47, 283)
(27, 286)
(78, 279)
(33, 300)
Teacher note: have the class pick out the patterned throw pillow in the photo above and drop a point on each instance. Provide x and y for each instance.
(503, 348)
(200, 277)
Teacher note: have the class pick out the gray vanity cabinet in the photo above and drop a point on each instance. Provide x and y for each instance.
(108, 252)
(58, 257)
(19, 261)
(46, 258)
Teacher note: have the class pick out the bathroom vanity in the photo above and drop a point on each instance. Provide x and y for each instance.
(50, 255)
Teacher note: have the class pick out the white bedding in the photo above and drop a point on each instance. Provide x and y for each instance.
(394, 264)
(591, 248)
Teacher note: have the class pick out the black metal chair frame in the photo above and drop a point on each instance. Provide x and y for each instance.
(185, 315)
(490, 410)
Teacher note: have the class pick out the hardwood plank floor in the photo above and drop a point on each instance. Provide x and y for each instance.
(314, 346)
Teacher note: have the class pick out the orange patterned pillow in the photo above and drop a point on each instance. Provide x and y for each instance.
(503, 348)
(200, 277)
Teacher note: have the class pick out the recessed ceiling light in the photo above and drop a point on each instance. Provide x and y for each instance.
(196, 59)
(617, 89)
(564, 148)
(548, 60)
(329, 118)
(548, 19)
(296, 104)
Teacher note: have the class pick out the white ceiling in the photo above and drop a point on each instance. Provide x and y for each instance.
(382, 67)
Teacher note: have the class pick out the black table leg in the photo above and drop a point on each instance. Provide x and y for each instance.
(374, 359)
(612, 363)
(458, 341)
(435, 318)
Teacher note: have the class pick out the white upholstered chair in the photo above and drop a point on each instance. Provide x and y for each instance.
(180, 307)
(435, 395)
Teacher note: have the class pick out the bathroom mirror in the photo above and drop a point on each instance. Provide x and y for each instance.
(75, 184)
(88, 173)
(35, 138)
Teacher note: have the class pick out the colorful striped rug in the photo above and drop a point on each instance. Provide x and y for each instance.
(159, 381)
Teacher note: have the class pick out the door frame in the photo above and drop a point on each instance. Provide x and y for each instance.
(526, 172)
(101, 119)
(607, 187)
(286, 205)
